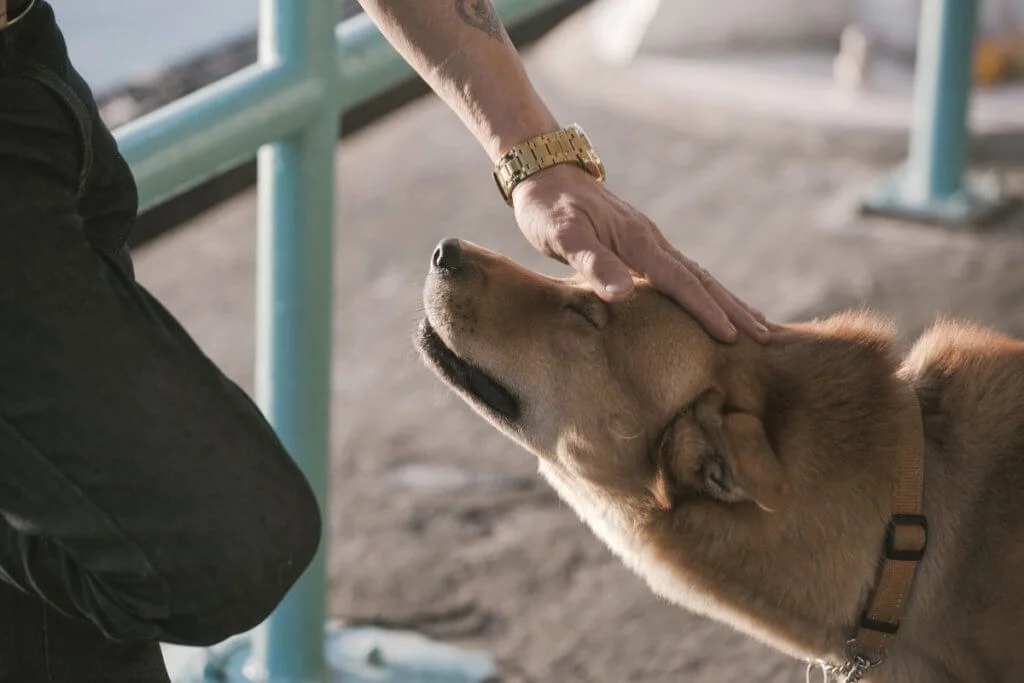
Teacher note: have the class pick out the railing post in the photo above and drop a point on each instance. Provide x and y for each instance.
(932, 185)
(294, 314)
(938, 143)
(294, 318)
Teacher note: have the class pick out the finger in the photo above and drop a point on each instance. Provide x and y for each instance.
(751, 321)
(603, 270)
(746, 317)
(756, 313)
(739, 313)
(670, 276)
(675, 275)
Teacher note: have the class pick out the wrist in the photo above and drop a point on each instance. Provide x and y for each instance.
(552, 178)
(498, 146)
(506, 135)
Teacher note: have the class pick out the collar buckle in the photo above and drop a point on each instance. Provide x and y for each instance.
(901, 531)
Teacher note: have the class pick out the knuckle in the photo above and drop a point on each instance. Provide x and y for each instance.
(583, 260)
(685, 275)
(702, 276)
(675, 279)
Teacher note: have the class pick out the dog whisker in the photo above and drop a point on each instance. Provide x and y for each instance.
(627, 437)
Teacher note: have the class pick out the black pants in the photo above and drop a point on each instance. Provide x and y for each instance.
(143, 497)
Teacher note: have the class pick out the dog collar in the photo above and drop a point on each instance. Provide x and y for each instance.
(906, 537)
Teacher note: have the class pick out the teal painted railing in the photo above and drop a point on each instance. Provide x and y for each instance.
(932, 185)
(285, 110)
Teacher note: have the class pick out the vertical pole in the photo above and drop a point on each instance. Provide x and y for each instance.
(933, 185)
(942, 91)
(294, 322)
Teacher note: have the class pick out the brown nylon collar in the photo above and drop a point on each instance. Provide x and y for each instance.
(906, 538)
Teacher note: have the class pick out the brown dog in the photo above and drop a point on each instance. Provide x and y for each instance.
(750, 483)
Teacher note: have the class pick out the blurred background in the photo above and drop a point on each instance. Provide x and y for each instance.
(754, 133)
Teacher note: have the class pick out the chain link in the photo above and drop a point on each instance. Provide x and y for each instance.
(851, 671)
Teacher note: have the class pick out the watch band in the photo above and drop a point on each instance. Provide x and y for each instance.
(569, 145)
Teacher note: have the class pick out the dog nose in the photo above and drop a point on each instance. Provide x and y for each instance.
(447, 255)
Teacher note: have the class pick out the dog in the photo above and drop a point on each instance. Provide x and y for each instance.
(753, 484)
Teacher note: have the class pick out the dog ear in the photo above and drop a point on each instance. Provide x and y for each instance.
(751, 464)
(724, 455)
(676, 460)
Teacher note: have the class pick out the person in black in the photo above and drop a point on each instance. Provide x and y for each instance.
(143, 497)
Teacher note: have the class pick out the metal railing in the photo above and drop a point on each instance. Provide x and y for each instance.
(284, 110)
(932, 184)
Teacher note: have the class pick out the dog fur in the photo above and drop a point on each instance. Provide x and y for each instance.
(752, 483)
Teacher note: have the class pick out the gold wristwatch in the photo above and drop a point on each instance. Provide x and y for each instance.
(569, 145)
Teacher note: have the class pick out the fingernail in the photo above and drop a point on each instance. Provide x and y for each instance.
(619, 288)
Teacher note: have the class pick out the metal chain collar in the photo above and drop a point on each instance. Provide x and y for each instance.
(851, 671)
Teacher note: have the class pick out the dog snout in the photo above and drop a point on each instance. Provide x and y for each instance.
(447, 255)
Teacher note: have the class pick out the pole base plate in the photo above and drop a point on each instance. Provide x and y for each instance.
(980, 202)
(353, 654)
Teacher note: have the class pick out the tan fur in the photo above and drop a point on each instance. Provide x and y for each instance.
(752, 483)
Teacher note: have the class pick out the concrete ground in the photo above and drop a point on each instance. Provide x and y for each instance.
(438, 522)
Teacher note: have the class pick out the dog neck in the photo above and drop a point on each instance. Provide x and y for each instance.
(835, 412)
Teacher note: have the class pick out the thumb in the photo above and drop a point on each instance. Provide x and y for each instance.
(603, 270)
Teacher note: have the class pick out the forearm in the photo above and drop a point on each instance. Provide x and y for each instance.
(461, 50)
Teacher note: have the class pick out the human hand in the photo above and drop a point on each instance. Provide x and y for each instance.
(565, 214)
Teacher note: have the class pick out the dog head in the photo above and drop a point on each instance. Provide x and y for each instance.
(726, 475)
(622, 396)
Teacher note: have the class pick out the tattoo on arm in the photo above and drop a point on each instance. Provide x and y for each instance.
(481, 15)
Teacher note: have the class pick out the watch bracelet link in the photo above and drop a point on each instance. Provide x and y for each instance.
(565, 146)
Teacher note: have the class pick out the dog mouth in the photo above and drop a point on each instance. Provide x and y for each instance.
(485, 389)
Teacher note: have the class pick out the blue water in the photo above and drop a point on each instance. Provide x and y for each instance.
(114, 41)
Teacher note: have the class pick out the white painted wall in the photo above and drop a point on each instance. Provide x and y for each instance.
(693, 26)
(894, 23)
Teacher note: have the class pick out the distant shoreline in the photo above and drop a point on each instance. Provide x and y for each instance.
(138, 97)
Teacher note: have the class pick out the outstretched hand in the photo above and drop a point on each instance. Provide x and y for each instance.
(568, 216)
